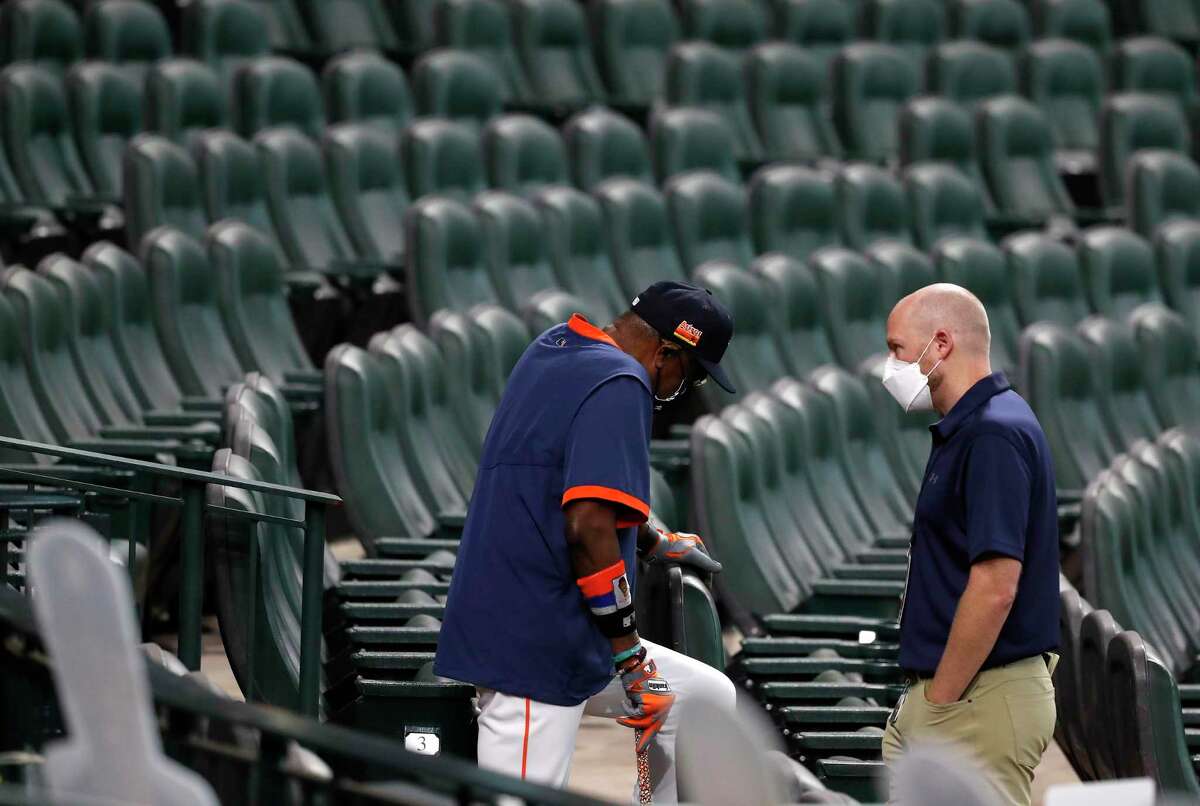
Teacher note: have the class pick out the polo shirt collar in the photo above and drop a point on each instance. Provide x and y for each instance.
(983, 390)
(581, 326)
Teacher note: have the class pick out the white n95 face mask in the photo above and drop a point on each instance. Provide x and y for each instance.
(907, 383)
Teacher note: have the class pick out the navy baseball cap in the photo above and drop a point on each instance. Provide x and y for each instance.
(691, 317)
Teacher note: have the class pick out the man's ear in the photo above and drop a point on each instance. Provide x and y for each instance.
(944, 341)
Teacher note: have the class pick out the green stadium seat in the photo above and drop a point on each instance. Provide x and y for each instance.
(277, 91)
(757, 360)
(728, 24)
(1130, 123)
(226, 35)
(551, 307)
(684, 139)
(871, 206)
(348, 24)
(942, 203)
(1016, 150)
(1172, 19)
(1177, 256)
(187, 314)
(602, 144)
(902, 268)
(1118, 271)
(362, 424)
(1167, 345)
(1057, 379)
(368, 189)
(551, 39)
(161, 187)
(483, 29)
(792, 211)
(412, 20)
(184, 99)
(979, 267)
(915, 27)
(231, 182)
(1002, 24)
(20, 414)
(252, 297)
(1164, 186)
(1046, 281)
(442, 157)
(285, 27)
(707, 216)
(523, 154)
(637, 233)
(514, 248)
(124, 286)
(37, 137)
(967, 72)
(632, 41)
(364, 87)
(821, 27)
(1085, 21)
(446, 266)
(700, 74)
(127, 33)
(932, 129)
(794, 309)
(786, 90)
(871, 83)
(45, 32)
(1121, 381)
(457, 86)
(574, 236)
(1157, 67)
(852, 304)
(296, 188)
(1065, 80)
(106, 113)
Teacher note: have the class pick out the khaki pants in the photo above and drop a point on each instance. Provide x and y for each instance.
(1005, 720)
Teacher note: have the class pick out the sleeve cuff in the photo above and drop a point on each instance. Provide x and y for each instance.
(598, 492)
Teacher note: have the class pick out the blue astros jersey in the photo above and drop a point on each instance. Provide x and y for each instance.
(573, 423)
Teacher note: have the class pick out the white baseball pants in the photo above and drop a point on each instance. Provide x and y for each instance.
(535, 740)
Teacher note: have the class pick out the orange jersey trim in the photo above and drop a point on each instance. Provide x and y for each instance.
(601, 582)
(580, 325)
(609, 494)
(525, 741)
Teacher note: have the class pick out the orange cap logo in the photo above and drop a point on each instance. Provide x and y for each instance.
(688, 333)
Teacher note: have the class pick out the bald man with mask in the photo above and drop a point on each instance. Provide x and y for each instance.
(979, 618)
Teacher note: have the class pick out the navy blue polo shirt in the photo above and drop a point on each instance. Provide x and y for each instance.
(988, 491)
(573, 423)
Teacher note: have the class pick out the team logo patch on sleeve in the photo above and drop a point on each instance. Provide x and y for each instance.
(689, 333)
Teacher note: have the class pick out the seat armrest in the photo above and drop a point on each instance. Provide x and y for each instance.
(205, 404)
(180, 419)
(304, 377)
(136, 449)
(209, 435)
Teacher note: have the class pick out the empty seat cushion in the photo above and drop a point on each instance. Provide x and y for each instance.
(446, 267)
(523, 154)
(514, 247)
(225, 34)
(603, 144)
(1016, 151)
(1045, 279)
(942, 203)
(852, 304)
(729, 24)
(129, 33)
(968, 72)
(277, 91)
(1066, 80)
(231, 181)
(871, 206)
(707, 215)
(871, 83)
(364, 87)
(1156, 66)
(703, 75)
(574, 235)
(368, 188)
(792, 210)
(1163, 186)
(1133, 122)
(687, 139)
(633, 40)
(440, 156)
(161, 187)
(46, 32)
(1118, 271)
(552, 42)
(786, 91)
(483, 28)
(106, 112)
(638, 234)
(458, 86)
(184, 98)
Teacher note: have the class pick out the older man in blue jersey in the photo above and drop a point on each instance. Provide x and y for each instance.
(540, 612)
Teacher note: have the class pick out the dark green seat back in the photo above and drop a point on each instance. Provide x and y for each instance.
(184, 99)
(187, 314)
(1016, 150)
(602, 144)
(1132, 122)
(821, 27)
(1122, 383)
(903, 269)
(686, 139)
(1167, 347)
(161, 188)
(792, 211)
(231, 181)
(1085, 21)
(707, 215)
(446, 266)
(1177, 255)
(1045, 278)
(575, 243)
(413, 23)
(363, 87)
(106, 112)
(1066, 80)
(523, 154)
(127, 33)
(277, 91)
(943, 203)
(484, 29)
(551, 39)
(20, 413)
(932, 129)
(456, 85)
(787, 94)
(442, 157)
(45, 32)
(968, 72)
(871, 83)
(225, 35)
(297, 192)
(341, 24)
(1118, 271)
(851, 294)
(1003, 24)
(1164, 186)
(915, 27)
(514, 247)
(729, 24)
(794, 311)
(633, 39)
(637, 233)
(871, 206)
(285, 27)
(903, 435)
(1155, 66)
(703, 75)
(980, 267)
(552, 307)
(368, 189)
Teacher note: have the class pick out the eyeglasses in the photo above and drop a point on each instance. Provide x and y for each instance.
(695, 375)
